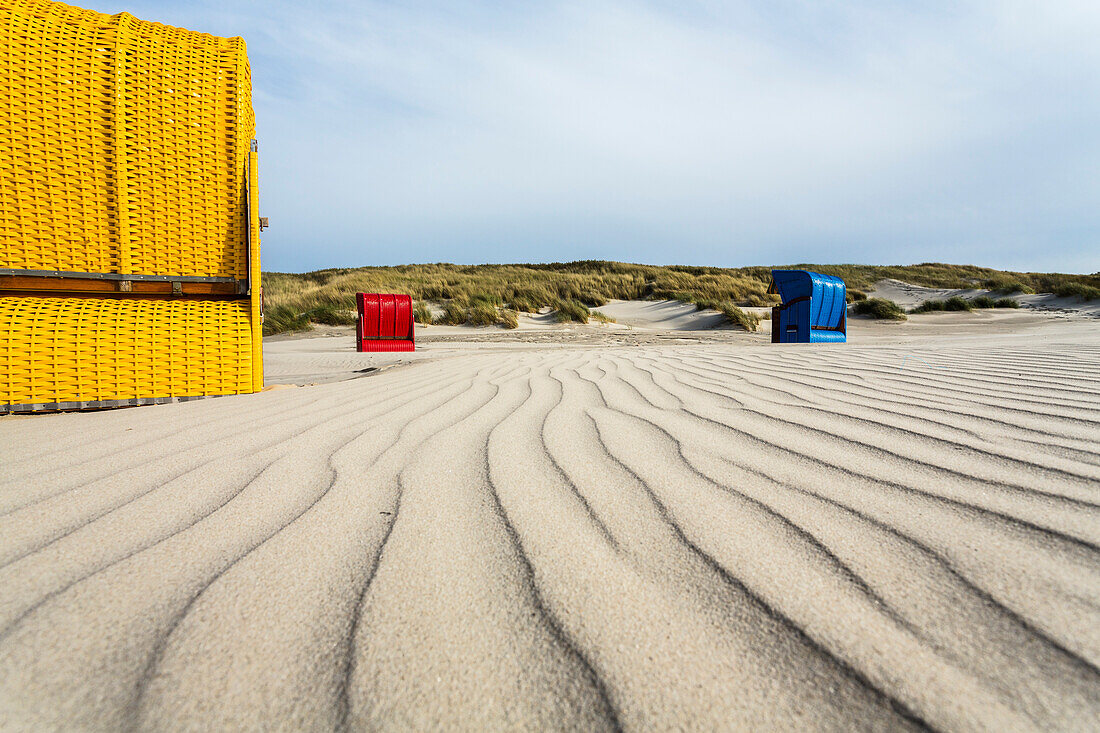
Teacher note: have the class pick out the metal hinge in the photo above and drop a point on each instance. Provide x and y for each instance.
(263, 223)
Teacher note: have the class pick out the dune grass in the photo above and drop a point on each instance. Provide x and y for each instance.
(601, 317)
(984, 301)
(879, 308)
(281, 318)
(482, 314)
(295, 300)
(330, 315)
(421, 312)
(954, 303)
(958, 303)
(738, 317)
(1081, 290)
(571, 310)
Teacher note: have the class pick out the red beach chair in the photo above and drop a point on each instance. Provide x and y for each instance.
(385, 323)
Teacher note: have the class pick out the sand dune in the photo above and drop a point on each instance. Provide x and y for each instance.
(663, 314)
(701, 536)
(908, 296)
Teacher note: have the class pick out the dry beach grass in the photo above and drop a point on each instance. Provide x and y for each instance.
(328, 296)
(679, 532)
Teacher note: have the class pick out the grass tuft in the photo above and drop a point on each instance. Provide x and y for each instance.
(453, 315)
(1077, 290)
(592, 299)
(524, 304)
(571, 310)
(421, 312)
(984, 301)
(283, 318)
(879, 308)
(954, 303)
(744, 319)
(957, 303)
(1007, 285)
(333, 316)
(482, 314)
(602, 317)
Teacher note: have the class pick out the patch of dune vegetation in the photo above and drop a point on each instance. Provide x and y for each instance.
(281, 318)
(480, 312)
(984, 301)
(601, 317)
(296, 300)
(958, 303)
(571, 310)
(744, 319)
(1080, 290)
(954, 303)
(421, 312)
(879, 308)
(453, 315)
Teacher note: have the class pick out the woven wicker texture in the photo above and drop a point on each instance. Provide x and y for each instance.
(84, 349)
(123, 145)
(125, 148)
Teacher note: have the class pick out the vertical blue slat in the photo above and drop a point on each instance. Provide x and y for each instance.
(829, 318)
(839, 303)
(815, 299)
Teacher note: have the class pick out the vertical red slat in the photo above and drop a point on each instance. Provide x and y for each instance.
(402, 317)
(370, 321)
(386, 320)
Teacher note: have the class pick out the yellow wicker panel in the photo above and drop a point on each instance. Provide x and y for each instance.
(256, 296)
(91, 349)
(55, 139)
(123, 146)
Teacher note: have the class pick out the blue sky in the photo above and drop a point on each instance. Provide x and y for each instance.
(694, 132)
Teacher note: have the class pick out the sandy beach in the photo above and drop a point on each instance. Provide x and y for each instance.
(649, 525)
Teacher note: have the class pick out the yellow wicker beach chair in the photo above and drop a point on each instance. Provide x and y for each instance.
(129, 248)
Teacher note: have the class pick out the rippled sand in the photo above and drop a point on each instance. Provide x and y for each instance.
(698, 536)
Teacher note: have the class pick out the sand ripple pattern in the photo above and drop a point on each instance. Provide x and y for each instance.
(664, 537)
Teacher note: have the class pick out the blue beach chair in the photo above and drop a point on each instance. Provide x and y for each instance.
(813, 310)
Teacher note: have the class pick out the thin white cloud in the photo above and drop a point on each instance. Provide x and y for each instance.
(708, 132)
